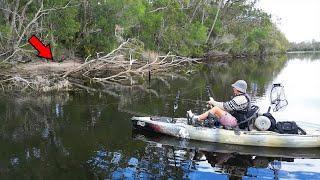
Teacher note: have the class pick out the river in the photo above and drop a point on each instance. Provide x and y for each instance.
(86, 135)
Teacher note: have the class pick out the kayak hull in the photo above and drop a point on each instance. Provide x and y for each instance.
(163, 140)
(179, 128)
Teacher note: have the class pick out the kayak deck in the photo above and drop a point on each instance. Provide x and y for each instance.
(178, 127)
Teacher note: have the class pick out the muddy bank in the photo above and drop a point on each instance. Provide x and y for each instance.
(37, 76)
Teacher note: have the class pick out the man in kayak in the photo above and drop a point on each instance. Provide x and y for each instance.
(228, 113)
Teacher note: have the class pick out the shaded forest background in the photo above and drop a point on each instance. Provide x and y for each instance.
(79, 28)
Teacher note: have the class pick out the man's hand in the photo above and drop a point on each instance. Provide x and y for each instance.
(211, 101)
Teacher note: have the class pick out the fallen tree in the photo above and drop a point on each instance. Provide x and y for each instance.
(126, 62)
(125, 66)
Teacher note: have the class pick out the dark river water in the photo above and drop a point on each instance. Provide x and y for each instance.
(88, 135)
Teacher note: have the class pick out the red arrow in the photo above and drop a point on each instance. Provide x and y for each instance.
(43, 51)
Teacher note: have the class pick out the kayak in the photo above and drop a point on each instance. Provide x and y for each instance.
(164, 140)
(178, 127)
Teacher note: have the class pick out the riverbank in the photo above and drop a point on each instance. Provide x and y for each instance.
(37, 76)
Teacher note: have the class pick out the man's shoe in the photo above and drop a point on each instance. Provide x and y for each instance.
(192, 118)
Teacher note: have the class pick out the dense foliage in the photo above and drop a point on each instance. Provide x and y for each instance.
(184, 27)
(305, 46)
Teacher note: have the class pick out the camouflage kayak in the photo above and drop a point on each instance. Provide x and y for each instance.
(179, 127)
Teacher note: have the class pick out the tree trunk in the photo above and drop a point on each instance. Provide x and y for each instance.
(215, 20)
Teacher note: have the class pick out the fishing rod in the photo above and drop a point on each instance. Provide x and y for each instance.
(176, 104)
(177, 98)
(209, 91)
(208, 88)
(191, 100)
(209, 94)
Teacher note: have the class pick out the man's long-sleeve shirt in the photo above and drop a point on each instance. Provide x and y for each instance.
(238, 103)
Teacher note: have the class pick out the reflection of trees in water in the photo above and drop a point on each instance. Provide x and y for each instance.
(258, 74)
(304, 55)
(154, 162)
(42, 132)
(28, 116)
(159, 161)
(25, 119)
(54, 132)
(237, 165)
(235, 161)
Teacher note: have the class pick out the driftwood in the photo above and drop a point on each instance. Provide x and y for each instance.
(126, 62)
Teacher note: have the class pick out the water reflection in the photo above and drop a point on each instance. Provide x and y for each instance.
(206, 161)
(304, 55)
(35, 134)
(158, 160)
(154, 162)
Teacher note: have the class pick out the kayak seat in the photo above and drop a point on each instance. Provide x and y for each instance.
(250, 116)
